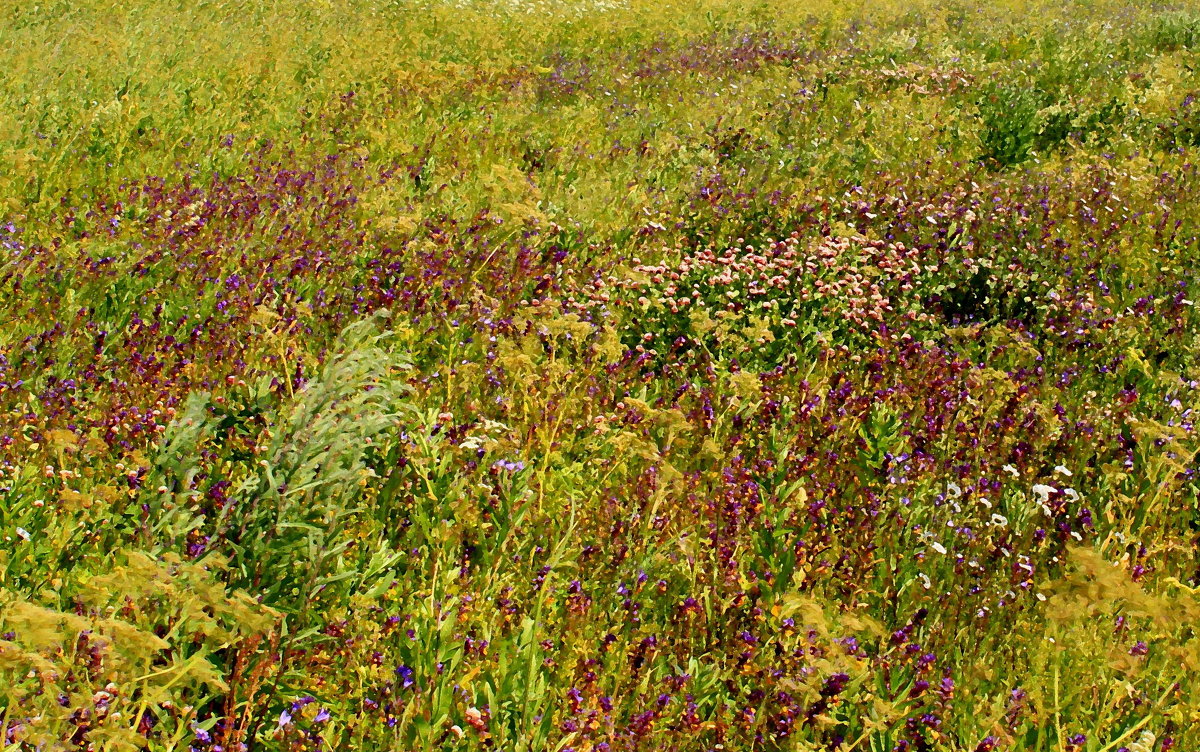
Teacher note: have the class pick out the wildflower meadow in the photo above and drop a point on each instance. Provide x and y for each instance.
(599, 376)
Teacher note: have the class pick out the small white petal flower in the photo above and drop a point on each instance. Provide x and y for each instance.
(1062, 470)
(1043, 491)
(1145, 742)
(939, 547)
(1012, 471)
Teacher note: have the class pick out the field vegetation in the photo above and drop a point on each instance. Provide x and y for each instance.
(599, 375)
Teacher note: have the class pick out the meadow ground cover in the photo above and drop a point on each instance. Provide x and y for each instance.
(601, 375)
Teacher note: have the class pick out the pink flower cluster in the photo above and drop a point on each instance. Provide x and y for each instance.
(861, 281)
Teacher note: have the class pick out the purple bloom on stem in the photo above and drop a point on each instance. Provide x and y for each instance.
(406, 676)
(987, 745)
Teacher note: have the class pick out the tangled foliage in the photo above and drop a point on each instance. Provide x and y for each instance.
(599, 376)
